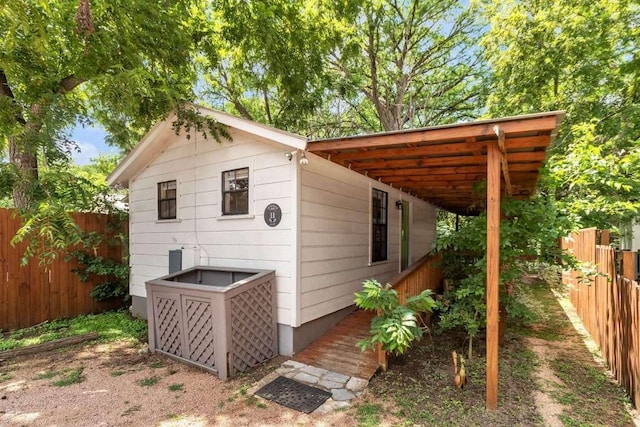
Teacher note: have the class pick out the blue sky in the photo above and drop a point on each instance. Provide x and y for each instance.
(90, 140)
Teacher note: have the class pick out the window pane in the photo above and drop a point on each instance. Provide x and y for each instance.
(235, 192)
(167, 194)
(379, 200)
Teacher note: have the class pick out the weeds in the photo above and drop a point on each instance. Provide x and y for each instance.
(111, 326)
(176, 387)
(368, 415)
(70, 377)
(148, 382)
(117, 373)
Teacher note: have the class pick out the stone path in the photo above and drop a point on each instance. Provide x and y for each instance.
(343, 388)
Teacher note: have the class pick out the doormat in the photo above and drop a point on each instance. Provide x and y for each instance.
(293, 394)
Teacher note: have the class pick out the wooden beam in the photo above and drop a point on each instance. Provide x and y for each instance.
(469, 146)
(534, 156)
(458, 132)
(452, 170)
(503, 159)
(493, 273)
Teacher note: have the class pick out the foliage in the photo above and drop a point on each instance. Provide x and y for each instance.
(110, 326)
(405, 64)
(116, 274)
(268, 65)
(529, 229)
(396, 326)
(580, 57)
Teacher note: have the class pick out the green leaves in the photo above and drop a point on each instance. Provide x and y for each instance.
(396, 326)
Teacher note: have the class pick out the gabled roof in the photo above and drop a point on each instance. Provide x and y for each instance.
(162, 132)
(445, 164)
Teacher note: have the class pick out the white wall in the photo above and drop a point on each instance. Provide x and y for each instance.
(635, 240)
(200, 231)
(335, 236)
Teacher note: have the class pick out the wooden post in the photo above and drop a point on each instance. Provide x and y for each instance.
(493, 272)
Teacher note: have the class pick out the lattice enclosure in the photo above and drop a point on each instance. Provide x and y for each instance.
(226, 326)
(200, 332)
(168, 325)
(253, 327)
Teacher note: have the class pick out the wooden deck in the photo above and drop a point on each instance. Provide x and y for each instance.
(337, 351)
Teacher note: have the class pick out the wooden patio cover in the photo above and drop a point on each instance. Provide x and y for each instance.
(463, 168)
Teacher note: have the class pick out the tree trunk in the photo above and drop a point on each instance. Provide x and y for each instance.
(26, 164)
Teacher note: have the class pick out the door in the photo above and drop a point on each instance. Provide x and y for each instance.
(404, 236)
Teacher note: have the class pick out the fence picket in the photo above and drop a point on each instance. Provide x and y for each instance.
(609, 307)
(33, 294)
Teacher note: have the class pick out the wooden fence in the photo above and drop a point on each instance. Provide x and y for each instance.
(425, 273)
(609, 306)
(32, 294)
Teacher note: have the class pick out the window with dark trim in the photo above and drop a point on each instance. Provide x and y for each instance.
(167, 200)
(379, 204)
(235, 192)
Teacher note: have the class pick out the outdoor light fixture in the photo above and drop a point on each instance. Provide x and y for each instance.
(289, 154)
(399, 205)
(303, 160)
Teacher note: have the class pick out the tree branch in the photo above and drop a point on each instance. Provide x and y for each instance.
(67, 84)
(5, 90)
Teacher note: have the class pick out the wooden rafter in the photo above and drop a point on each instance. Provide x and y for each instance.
(446, 164)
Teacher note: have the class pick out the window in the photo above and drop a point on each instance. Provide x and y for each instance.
(379, 203)
(167, 200)
(235, 192)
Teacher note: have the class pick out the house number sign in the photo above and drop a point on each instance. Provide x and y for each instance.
(272, 215)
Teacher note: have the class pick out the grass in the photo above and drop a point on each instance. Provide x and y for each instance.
(117, 373)
(72, 377)
(110, 326)
(418, 387)
(585, 385)
(176, 387)
(368, 415)
(5, 377)
(148, 382)
(67, 376)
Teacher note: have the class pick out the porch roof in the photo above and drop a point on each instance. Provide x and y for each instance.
(445, 164)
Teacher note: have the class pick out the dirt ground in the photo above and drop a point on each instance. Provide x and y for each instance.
(125, 386)
(547, 378)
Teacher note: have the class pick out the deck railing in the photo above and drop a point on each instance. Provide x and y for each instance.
(425, 273)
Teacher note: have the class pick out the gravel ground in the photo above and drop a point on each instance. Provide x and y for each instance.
(122, 384)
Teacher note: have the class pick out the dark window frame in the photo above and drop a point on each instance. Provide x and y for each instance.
(167, 204)
(379, 225)
(226, 210)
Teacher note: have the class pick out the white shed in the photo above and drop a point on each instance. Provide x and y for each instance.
(255, 203)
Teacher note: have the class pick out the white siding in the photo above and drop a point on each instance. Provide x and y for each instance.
(200, 231)
(335, 239)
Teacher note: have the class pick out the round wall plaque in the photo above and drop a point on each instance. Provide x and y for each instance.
(272, 215)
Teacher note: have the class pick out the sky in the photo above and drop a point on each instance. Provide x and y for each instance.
(90, 140)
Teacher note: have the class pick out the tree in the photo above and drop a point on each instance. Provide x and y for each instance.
(407, 64)
(269, 65)
(122, 64)
(581, 57)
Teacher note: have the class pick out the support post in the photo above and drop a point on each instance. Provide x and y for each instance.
(493, 272)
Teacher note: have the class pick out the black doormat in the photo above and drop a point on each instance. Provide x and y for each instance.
(293, 394)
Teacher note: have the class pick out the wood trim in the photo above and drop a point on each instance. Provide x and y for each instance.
(535, 156)
(529, 142)
(493, 273)
(460, 132)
